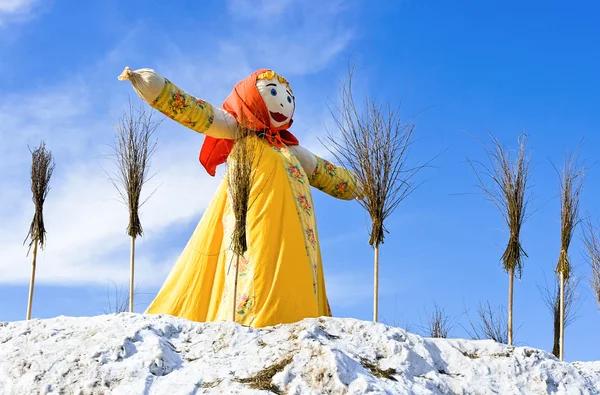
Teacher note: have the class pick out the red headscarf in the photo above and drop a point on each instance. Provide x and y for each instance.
(249, 109)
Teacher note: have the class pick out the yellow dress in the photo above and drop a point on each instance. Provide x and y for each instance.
(280, 277)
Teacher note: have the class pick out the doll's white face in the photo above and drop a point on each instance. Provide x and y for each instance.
(278, 99)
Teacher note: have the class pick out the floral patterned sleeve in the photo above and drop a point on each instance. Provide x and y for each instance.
(189, 111)
(334, 180)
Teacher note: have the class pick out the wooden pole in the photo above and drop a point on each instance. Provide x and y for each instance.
(376, 286)
(131, 273)
(235, 285)
(510, 305)
(32, 280)
(562, 316)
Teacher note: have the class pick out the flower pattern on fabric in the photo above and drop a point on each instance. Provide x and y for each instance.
(334, 180)
(282, 150)
(296, 173)
(201, 103)
(166, 114)
(304, 203)
(311, 236)
(244, 304)
(299, 184)
(341, 188)
(186, 109)
(189, 123)
(329, 168)
(243, 267)
(178, 102)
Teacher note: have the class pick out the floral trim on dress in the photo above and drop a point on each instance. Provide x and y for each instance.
(300, 186)
(304, 203)
(311, 236)
(243, 267)
(295, 172)
(244, 304)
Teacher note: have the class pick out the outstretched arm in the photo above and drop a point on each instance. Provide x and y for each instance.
(180, 106)
(332, 179)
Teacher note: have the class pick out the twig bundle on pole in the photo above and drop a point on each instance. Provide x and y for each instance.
(42, 167)
(508, 192)
(133, 150)
(374, 144)
(571, 183)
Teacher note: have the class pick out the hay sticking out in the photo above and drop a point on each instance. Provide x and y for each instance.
(377, 371)
(42, 167)
(263, 380)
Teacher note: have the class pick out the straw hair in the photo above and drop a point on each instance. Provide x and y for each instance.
(508, 192)
(241, 172)
(42, 167)
(132, 152)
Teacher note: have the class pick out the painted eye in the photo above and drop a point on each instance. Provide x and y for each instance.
(273, 92)
(289, 100)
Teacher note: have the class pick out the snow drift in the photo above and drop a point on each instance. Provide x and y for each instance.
(137, 354)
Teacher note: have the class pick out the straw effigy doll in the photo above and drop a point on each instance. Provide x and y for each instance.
(280, 277)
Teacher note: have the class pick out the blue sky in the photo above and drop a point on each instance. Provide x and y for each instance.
(464, 67)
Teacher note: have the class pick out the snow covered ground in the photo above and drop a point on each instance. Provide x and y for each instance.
(136, 354)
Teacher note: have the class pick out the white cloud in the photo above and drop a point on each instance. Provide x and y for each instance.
(86, 225)
(85, 222)
(298, 37)
(16, 10)
(14, 6)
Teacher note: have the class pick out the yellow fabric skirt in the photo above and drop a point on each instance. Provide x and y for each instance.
(280, 277)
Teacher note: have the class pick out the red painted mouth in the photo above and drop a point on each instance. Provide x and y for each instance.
(278, 117)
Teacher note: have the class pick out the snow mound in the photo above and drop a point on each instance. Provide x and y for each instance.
(138, 354)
